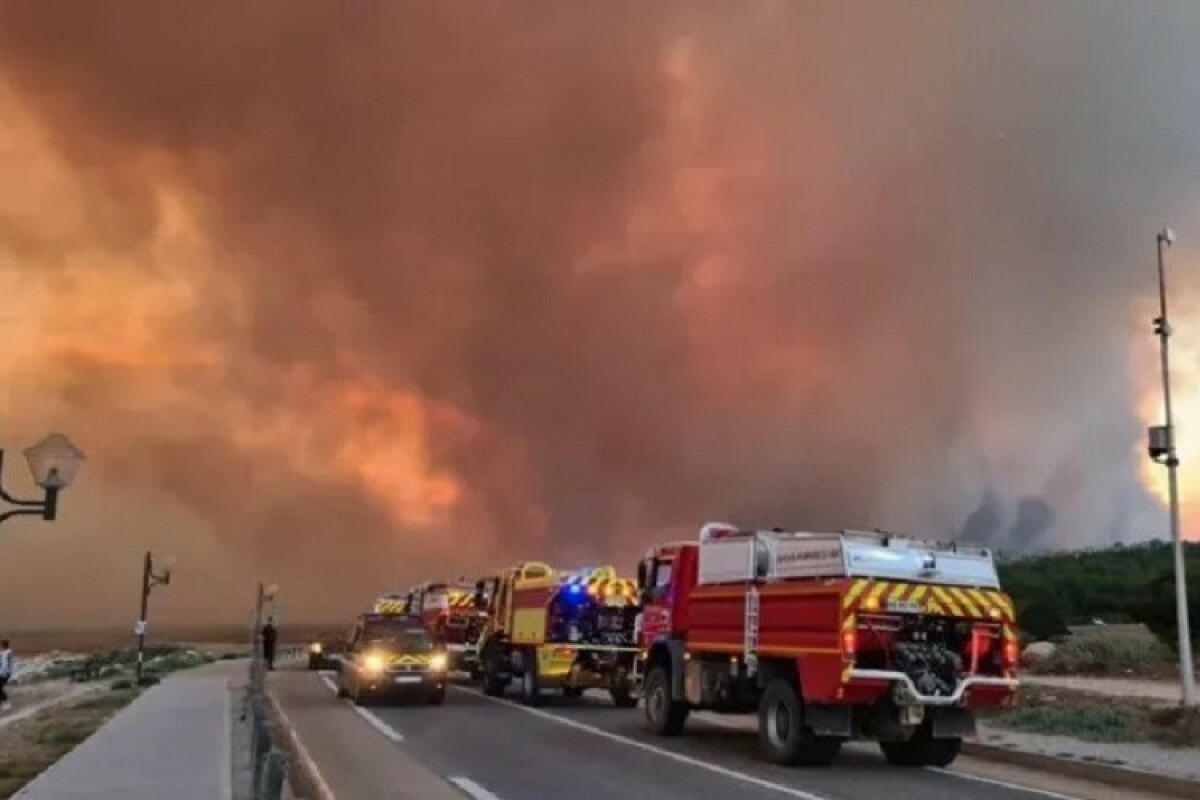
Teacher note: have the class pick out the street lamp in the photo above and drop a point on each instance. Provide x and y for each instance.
(150, 579)
(53, 462)
(1162, 451)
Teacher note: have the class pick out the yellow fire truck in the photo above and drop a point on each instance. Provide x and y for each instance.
(559, 630)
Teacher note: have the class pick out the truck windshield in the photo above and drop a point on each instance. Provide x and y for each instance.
(405, 638)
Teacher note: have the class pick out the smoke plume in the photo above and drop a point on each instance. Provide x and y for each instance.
(352, 295)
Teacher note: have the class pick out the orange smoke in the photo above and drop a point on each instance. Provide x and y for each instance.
(1185, 399)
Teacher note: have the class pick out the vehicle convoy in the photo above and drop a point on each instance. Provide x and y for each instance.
(390, 655)
(559, 630)
(450, 612)
(830, 636)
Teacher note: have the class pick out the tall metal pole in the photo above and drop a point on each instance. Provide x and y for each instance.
(256, 657)
(141, 626)
(1163, 328)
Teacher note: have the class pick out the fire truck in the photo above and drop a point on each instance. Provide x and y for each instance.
(450, 612)
(829, 636)
(559, 630)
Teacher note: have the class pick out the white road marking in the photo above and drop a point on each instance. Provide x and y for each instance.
(649, 748)
(376, 723)
(322, 788)
(732, 722)
(1002, 784)
(372, 720)
(472, 788)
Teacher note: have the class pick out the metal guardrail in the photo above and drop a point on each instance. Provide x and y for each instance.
(269, 759)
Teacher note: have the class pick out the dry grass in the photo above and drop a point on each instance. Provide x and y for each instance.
(31, 745)
(1099, 718)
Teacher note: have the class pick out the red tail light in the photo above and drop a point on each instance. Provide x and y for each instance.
(849, 641)
(1012, 655)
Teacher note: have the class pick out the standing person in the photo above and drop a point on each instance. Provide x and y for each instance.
(6, 671)
(268, 642)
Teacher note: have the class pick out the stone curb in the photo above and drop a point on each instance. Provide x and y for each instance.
(1088, 770)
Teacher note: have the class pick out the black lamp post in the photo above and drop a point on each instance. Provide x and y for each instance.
(53, 462)
(150, 579)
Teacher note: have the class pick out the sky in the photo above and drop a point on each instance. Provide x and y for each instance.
(348, 296)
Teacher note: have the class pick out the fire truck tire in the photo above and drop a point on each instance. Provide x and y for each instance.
(782, 734)
(531, 689)
(922, 750)
(494, 683)
(622, 698)
(665, 714)
(436, 696)
(572, 691)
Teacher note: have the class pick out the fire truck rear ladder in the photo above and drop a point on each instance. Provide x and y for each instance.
(750, 643)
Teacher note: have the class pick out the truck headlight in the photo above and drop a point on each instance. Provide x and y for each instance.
(373, 663)
(438, 662)
(315, 647)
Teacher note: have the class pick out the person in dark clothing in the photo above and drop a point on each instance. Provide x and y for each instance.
(268, 643)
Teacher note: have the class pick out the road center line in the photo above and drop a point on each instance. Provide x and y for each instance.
(649, 748)
(472, 788)
(372, 720)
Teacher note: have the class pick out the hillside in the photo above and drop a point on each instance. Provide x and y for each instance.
(1124, 583)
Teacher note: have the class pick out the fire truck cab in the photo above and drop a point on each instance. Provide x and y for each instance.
(829, 636)
(450, 612)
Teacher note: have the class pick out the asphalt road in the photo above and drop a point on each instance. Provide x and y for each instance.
(495, 749)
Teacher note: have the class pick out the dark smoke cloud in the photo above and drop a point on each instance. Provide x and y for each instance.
(642, 265)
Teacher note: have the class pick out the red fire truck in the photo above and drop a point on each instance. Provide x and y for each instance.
(449, 611)
(829, 636)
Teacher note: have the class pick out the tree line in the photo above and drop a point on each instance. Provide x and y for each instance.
(1123, 583)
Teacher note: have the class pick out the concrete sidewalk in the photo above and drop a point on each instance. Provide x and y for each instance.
(172, 742)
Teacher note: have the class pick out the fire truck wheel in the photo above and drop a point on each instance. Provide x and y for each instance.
(494, 683)
(665, 715)
(922, 750)
(781, 731)
(622, 698)
(531, 690)
(436, 696)
(572, 691)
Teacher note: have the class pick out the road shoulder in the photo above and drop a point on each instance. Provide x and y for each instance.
(350, 757)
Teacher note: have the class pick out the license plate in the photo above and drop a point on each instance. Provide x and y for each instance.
(408, 679)
(904, 607)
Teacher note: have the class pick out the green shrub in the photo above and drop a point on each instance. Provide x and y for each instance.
(1090, 723)
(1107, 652)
